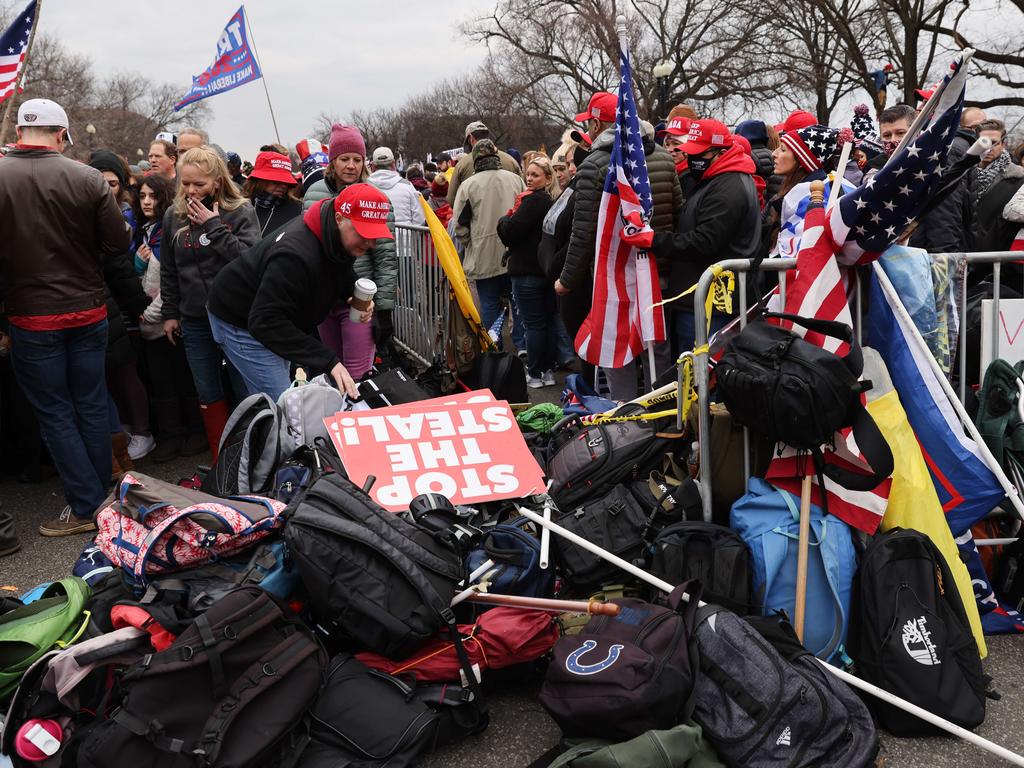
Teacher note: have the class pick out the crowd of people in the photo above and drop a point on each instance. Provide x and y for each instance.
(172, 289)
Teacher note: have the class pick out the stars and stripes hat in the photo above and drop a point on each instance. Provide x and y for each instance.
(812, 145)
(43, 113)
(704, 135)
(862, 124)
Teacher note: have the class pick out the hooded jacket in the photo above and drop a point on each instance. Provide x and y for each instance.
(379, 264)
(59, 223)
(405, 200)
(721, 220)
(992, 229)
(665, 191)
(482, 200)
(282, 289)
(191, 256)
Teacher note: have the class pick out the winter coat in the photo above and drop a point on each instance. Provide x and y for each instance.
(152, 328)
(124, 293)
(991, 229)
(192, 255)
(482, 200)
(59, 223)
(556, 230)
(379, 264)
(272, 219)
(721, 220)
(463, 169)
(405, 200)
(962, 141)
(441, 209)
(665, 191)
(1013, 211)
(521, 233)
(284, 287)
(943, 229)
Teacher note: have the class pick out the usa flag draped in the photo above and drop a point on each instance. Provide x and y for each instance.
(624, 316)
(13, 45)
(855, 231)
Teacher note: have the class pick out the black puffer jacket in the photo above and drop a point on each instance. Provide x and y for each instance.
(521, 233)
(765, 164)
(123, 292)
(943, 229)
(668, 202)
(991, 231)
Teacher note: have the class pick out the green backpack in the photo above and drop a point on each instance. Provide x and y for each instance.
(56, 620)
(679, 747)
(999, 419)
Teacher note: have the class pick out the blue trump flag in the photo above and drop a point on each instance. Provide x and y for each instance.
(235, 64)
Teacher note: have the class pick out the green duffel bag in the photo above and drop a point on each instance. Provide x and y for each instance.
(55, 620)
(679, 747)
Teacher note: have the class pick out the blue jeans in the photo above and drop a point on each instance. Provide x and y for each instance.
(63, 376)
(491, 291)
(684, 327)
(539, 310)
(206, 361)
(566, 350)
(261, 369)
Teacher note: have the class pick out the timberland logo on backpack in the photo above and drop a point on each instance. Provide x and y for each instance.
(572, 662)
(784, 738)
(918, 642)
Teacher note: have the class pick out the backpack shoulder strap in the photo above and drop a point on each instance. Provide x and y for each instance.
(875, 450)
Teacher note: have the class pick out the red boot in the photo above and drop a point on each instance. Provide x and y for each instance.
(215, 416)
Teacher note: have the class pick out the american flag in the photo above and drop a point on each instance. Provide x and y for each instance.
(872, 217)
(13, 45)
(624, 316)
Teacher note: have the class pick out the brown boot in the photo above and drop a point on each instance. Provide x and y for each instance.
(122, 462)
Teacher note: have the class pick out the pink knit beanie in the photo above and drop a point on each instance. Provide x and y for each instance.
(345, 139)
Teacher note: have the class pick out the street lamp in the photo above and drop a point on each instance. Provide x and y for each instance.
(91, 130)
(661, 73)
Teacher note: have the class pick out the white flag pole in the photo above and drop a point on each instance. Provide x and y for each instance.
(846, 677)
(263, 74)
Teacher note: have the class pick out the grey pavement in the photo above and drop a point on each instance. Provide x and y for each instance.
(520, 730)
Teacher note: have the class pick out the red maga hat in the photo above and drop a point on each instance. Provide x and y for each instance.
(601, 107)
(367, 208)
(273, 166)
(705, 135)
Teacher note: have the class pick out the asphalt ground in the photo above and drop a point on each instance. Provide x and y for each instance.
(520, 730)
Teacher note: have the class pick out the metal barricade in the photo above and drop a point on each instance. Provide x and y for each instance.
(740, 267)
(421, 301)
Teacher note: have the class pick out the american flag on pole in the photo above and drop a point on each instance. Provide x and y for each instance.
(856, 230)
(13, 45)
(625, 315)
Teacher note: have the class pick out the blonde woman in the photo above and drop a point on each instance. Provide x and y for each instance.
(520, 230)
(209, 225)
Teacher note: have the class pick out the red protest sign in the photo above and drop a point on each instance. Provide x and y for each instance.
(470, 452)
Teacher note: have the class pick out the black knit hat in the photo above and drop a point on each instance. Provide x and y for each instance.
(105, 160)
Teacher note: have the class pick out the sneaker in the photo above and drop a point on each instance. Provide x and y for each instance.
(548, 377)
(9, 547)
(534, 383)
(522, 355)
(140, 445)
(66, 524)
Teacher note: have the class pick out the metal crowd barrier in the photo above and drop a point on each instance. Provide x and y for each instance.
(740, 267)
(421, 302)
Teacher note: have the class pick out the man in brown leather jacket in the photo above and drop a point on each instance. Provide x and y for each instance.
(59, 222)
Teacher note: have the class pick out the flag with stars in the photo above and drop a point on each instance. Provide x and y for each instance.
(13, 45)
(235, 64)
(625, 315)
(872, 217)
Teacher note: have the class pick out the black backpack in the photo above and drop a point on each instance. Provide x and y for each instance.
(626, 674)
(1009, 581)
(616, 523)
(365, 717)
(715, 555)
(501, 372)
(232, 685)
(590, 459)
(795, 392)
(910, 634)
(761, 711)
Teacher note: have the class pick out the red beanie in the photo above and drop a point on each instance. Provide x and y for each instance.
(345, 139)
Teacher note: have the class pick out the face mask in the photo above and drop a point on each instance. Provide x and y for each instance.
(266, 200)
(890, 147)
(698, 165)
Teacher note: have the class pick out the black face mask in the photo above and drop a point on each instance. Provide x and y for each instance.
(208, 201)
(698, 165)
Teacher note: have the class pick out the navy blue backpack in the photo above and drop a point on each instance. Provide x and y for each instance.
(516, 556)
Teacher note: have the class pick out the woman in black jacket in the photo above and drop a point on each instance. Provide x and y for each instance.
(264, 305)
(269, 189)
(520, 231)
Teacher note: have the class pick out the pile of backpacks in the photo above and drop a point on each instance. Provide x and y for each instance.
(271, 614)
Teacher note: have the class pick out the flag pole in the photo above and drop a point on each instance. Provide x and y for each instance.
(263, 77)
(21, 76)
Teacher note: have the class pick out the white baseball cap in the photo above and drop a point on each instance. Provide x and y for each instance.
(43, 113)
(382, 156)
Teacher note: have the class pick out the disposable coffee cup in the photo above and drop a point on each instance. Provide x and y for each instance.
(362, 295)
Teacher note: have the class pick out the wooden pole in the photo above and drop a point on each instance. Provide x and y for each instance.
(5, 126)
(263, 77)
(800, 607)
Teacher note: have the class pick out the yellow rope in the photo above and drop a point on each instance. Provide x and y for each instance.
(719, 296)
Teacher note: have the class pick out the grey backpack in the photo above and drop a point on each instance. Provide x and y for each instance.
(250, 450)
(764, 709)
(303, 408)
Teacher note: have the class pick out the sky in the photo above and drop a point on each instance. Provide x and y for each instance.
(331, 56)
